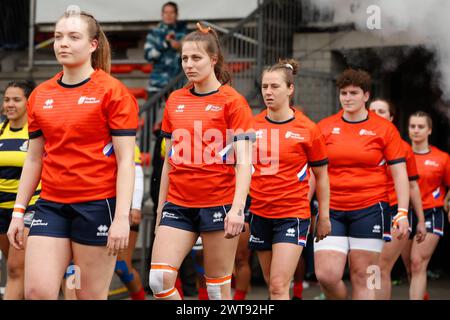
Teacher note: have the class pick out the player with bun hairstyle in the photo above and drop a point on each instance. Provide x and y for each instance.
(288, 143)
(203, 184)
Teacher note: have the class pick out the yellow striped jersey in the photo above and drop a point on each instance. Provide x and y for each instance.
(13, 149)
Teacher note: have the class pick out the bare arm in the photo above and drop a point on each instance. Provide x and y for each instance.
(401, 183)
(164, 183)
(234, 222)
(120, 228)
(416, 201)
(323, 197)
(29, 180)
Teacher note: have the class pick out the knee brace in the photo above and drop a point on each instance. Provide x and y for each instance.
(123, 272)
(156, 280)
(214, 285)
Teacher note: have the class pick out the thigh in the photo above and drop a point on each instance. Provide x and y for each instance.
(330, 262)
(4, 245)
(265, 259)
(360, 260)
(285, 257)
(425, 249)
(46, 260)
(95, 269)
(172, 245)
(219, 253)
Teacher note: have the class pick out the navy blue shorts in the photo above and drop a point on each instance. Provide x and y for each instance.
(373, 222)
(434, 222)
(85, 223)
(265, 232)
(6, 216)
(194, 219)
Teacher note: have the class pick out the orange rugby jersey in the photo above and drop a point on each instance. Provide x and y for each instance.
(411, 169)
(284, 150)
(202, 128)
(357, 153)
(77, 123)
(434, 177)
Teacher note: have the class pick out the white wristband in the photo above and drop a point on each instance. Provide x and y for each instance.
(16, 214)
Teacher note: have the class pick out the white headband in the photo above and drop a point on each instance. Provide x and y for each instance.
(289, 66)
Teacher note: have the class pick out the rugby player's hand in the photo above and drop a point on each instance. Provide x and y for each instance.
(421, 231)
(15, 233)
(234, 223)
(402, 227)
(323, 228)
(118, 235)
(135, 217)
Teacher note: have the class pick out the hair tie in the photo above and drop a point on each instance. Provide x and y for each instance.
(203, 30)
(289, 66)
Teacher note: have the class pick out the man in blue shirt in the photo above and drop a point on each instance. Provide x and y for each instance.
(163, 46)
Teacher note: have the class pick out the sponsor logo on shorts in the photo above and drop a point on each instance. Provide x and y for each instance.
(102, 231)
(428, 224)
(376, 228)
(255, 239)
(217, 217)
(38, 222)
(169, 215)
(290, 232)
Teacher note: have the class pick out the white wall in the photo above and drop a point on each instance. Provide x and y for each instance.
(48, 11)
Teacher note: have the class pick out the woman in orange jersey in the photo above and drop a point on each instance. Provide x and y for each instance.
(13, 150)
(433, 166)
(82, 125)
(203, 188)
(287, 144)
(359, 144)
(393, 247)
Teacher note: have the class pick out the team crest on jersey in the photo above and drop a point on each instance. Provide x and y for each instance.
(87, 100)
(48, 104)
(364, 132)
(211, 107)
(431, 163)
(24, 146)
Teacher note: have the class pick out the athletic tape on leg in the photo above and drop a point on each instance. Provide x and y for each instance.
(156, 280)
(213, 285)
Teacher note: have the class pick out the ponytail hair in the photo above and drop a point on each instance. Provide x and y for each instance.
(209, 37)
(27, 87)
(101, 57)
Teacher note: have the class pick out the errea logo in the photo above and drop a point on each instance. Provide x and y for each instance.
(290, 232)
(217, 217)
(102, 231)
(180, 108)
(336, 130)
(211, 107)
(48, 104)
(87, 100)
(293, 135)
(376, 228)
(259, 134)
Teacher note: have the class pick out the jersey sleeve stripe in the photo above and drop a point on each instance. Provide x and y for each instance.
(245, 136)
(123, 132)
(318, 163)
(166, 135)
(35, 134)
(395, 161)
